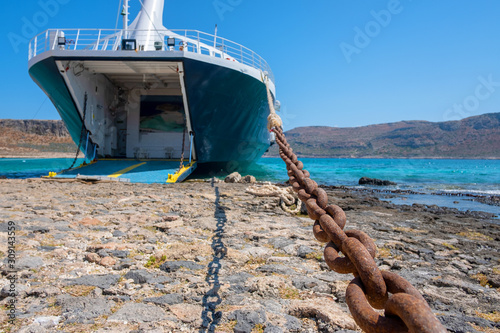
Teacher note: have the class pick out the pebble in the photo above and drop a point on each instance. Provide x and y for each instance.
(107, 261)
(92, 257)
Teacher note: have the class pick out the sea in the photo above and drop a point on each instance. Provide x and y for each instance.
(443, 182)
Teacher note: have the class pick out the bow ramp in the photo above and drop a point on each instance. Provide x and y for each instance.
(134, 171)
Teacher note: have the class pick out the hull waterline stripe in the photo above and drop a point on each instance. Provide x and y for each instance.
(121, 172)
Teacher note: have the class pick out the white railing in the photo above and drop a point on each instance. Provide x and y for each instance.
(111, 40)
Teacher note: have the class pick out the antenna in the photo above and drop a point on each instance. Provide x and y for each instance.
(125, 16)
(215, 36)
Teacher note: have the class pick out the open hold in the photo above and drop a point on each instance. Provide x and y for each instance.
(375, 181)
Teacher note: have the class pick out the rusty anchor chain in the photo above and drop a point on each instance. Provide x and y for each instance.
(405, 310)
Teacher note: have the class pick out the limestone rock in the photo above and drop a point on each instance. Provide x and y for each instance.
(187, 313)
(248, 180)
(44, 292)
(375, 181)
(138, 313)
(88, 221)
(92, 257)
(49, 321)
(107, 262)
(169, 299)
(325, 309)
(83, 310)
(235, 177)
(29, 263)
(266, 286)
(101, 281)
(247, 319)
(165, 226)
(173, 266)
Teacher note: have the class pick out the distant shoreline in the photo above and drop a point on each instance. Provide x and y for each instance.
(473, 138)
(393, 158)
(72, 155)
(45, 155)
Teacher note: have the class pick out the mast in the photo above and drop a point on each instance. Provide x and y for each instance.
(125, 17)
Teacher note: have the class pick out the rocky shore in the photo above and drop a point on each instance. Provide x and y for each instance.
(209, 257)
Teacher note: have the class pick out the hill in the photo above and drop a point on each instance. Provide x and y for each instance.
(35, 138)
(474, 137)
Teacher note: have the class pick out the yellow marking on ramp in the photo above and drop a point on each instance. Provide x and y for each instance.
(121, 172)
(173, 178)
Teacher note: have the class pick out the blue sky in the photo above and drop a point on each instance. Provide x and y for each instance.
(337, 62)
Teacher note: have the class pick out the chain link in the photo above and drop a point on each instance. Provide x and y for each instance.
(404, 307)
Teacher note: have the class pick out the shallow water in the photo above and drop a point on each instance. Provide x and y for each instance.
(33, 167)
(430, 175)
(460, 203)
(426, 176)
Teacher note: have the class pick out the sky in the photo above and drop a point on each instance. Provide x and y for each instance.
(341, 63)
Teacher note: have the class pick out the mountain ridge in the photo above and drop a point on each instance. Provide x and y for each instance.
(473, 137)
(35, 138)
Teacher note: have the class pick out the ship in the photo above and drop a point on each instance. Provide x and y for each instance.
(145, 97)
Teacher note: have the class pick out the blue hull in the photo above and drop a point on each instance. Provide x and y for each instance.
(46, 75)
(229, 112)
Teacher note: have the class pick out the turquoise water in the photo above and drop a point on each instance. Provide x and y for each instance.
(425, 176)
(437, 182)
(471, 176)
(33, 167)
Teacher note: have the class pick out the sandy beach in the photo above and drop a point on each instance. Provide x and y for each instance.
(209, 257)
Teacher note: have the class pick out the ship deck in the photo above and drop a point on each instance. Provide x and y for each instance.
(131, 170)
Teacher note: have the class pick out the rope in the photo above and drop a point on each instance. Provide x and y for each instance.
(273, 120)
(183, 145)
(287, 196)
(45, 100)
(82, 134)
